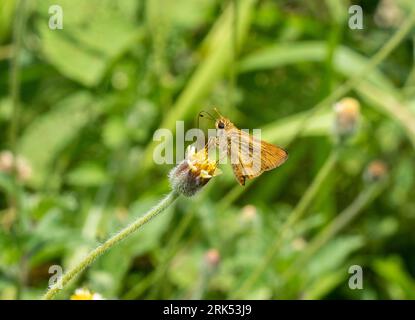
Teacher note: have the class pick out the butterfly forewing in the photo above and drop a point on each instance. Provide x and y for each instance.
(271, 156)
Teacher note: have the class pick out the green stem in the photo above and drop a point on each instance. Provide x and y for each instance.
(14, 197)
(19, 28)
(352, 82)
(234, 51)
(337, 225)
(124, 233)
(313, 189)
(156, 278)
(342, 90)
(296, 215)
(202, 283)
(6, 52)
(169, 253)
(18, 25)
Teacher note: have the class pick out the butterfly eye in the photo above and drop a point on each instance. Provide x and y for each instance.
(221, 125)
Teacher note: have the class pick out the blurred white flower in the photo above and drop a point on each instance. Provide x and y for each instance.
(85, 294)
(388, 14)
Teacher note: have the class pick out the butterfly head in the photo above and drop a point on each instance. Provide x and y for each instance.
(222, 122)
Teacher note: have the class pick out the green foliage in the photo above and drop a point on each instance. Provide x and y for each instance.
(93, 94)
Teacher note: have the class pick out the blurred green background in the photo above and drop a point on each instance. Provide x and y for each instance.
(79, 107)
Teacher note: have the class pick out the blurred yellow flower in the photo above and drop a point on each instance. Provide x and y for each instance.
(85, 294)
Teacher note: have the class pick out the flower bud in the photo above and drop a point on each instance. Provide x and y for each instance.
(249, 213)
(347, 113)
(190, 175)
(298, 244)
(375, 171)
(388, 14)
(212, 258)
(8, 161)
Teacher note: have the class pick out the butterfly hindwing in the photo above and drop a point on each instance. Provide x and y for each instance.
(254, 156)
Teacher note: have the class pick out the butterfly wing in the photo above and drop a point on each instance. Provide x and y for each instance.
(238, 173)
(250, 156)
(271, 156)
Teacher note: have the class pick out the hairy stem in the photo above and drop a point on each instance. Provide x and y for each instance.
(124, 233)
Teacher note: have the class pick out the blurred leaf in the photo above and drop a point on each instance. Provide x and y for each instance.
(283, 130)
(5, 109)
(89, 42)
(333, 255)
(50, 133)
(87, 175)
(109, 272)
(114, 132)
(387, 103)
(186, 268)
(399, 283)
(338, 10)
(183, 13)
(346, 61)
(6, 16)
(283, 54)
(326, 283)
(6, 183)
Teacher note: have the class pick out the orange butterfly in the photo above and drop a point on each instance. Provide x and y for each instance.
(249, 156)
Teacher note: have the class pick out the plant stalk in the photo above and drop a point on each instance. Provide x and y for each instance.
(124, 233)
(337, 225)
(352, 82)
(296, 215)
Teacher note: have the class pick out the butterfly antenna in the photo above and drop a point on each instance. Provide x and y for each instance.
(219, 114)
(204, 114)
(198, 118)
(209, 115)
